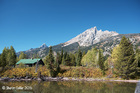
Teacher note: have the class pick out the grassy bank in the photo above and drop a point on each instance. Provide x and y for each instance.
(66, 71)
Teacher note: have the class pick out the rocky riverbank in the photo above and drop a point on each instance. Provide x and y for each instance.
(63, 79)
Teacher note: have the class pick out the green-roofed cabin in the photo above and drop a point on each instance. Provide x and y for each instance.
(31, 62)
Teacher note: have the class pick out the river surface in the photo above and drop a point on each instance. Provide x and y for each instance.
(67, 87)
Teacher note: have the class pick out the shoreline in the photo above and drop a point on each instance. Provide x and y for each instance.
(65, 79)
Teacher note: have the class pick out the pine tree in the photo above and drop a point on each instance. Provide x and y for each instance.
(137, 60)
(79, 58)
(3, 58)
(46, 60)
(8, 56)
(22, 56)
(72, 57)
(13, 56)
(50, 60)
(101, 60)
(63, 61)
(125, 64)
(67, 60)
(64, 58)
(61, 55)
(58, 58)
(58, 61)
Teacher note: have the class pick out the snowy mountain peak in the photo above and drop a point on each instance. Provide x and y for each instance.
(43, 45)
(91, 36)
(94, 30)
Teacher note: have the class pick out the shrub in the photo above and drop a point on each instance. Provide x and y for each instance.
(23, 72)
(83, 72)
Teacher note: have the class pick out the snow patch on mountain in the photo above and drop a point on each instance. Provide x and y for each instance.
(91, 36)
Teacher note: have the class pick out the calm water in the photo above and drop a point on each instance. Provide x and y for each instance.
(67, 87)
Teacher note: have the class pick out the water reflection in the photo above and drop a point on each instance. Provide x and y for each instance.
(137, 90)
(69, 87)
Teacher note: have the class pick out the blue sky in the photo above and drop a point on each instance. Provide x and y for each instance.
(26, 24)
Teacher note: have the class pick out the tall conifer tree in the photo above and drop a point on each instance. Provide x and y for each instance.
(137, 60)
(125, 64)
(50, 60)
(58, 58)
(58, 61)
(3, 58)
(8, 56)
(61, 55)
(13, 56)
(101, 60)
(67, 60)
(79, 58)
(72, 62)
(64, 58)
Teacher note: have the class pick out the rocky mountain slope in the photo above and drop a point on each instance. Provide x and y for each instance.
(86, 40)
(34, 51)
(90, 37)
(109, 43)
